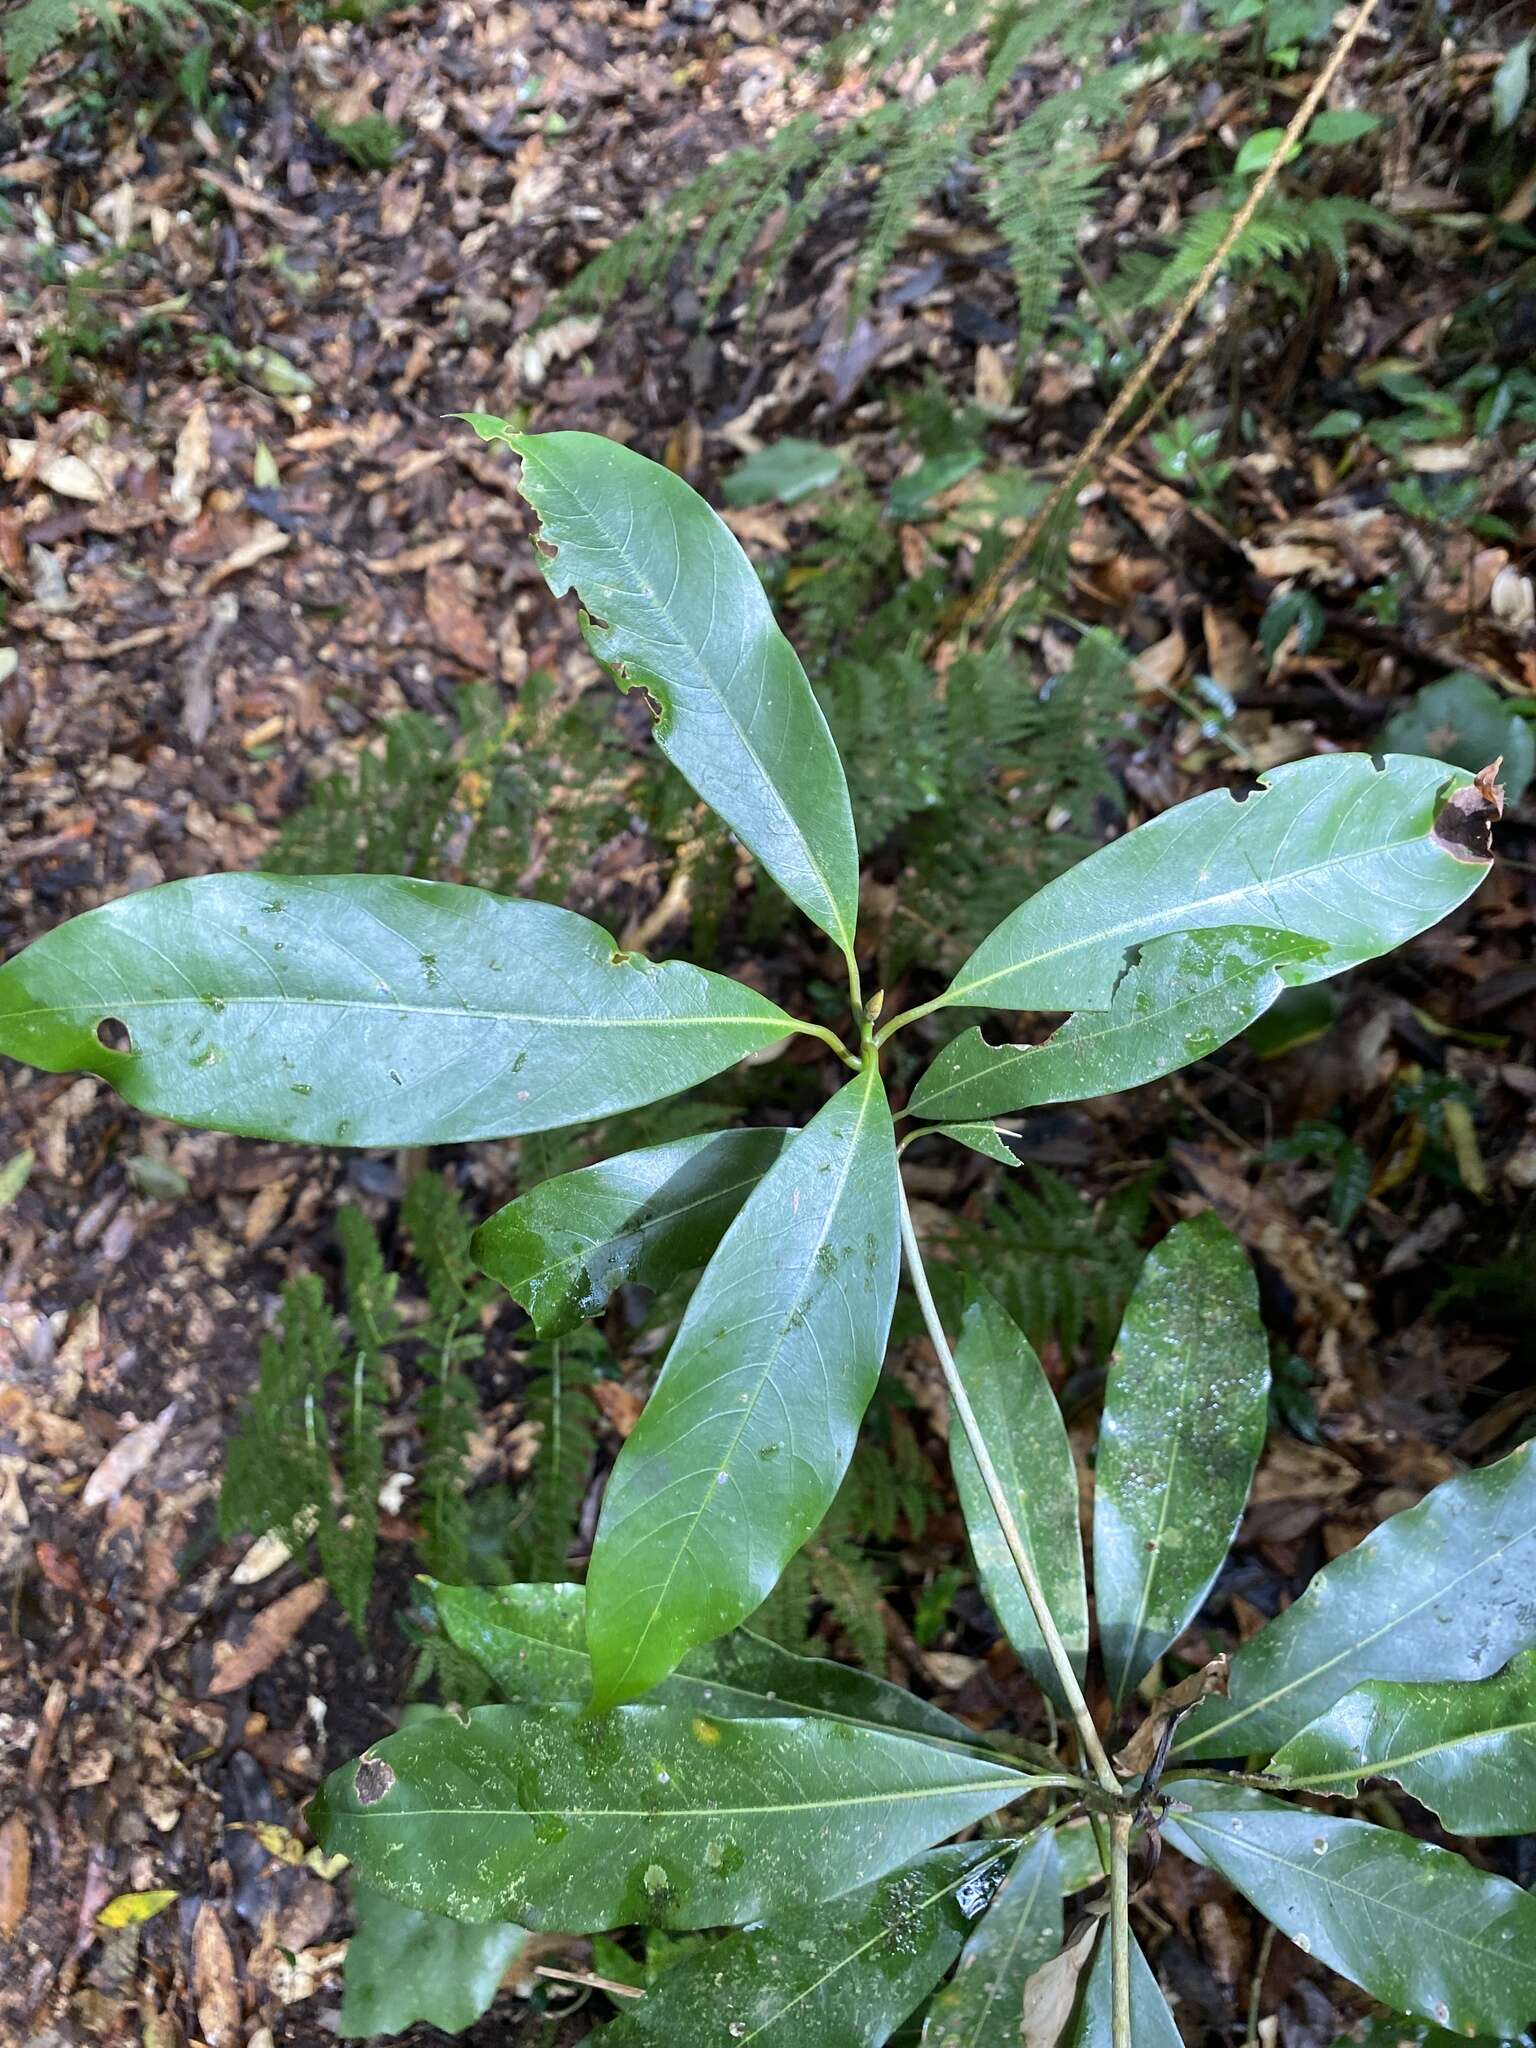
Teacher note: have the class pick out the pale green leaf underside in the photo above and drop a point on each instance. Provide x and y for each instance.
(1183, 998)
(745, 1440)
(403, 1966)
(531, 1642)
(1414, 1925)
(1024, 1432)
(369, 1010)
(1021, 1930)
(649, 1815)
(1332, 849)
(567, 1245)
(676, 608)
(1184, 1417)
(1443, 1591)
(1152, 2024)
(842, 1975)
(1466, 1751)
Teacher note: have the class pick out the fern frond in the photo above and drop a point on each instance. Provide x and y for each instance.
(34, 30)
(1061, 1269)
(277, 1472)
(926, 151)
(440, 1233)
(848, 1583)
(556, 1399)
(370, 1311)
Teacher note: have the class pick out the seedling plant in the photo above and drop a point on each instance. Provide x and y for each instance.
(654, 1762)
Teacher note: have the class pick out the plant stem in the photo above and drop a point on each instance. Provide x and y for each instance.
(1024, 1564)
(829, 1038)
(906, 1017)
(1120, 1929)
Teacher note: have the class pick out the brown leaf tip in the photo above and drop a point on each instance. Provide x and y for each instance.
(1465, 825)
(372, 1780)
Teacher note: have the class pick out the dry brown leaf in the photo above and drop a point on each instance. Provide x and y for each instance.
(15, 1874)
(399, 206)
(267, 540)
(411, 560)
(1138, 1754)
(456, 625)
(619, 1405)
(268, 1636)
(127, 1459)
(1051, 1994)
(1229, 657)
(214, 1989)
(189, 473)
(994, 380)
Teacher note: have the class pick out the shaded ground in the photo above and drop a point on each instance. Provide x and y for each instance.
(244, 535)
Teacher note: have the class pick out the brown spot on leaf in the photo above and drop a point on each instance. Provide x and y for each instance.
(1465, 825)
(372, 1780)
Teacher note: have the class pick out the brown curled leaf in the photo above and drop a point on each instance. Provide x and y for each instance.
(1465, 824)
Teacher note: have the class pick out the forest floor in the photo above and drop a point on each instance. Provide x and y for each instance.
(240, 532)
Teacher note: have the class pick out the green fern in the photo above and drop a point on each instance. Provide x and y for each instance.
(1283, 230)
(1034, 180)
(557, 1401)
(1061, 1266)
(456, 1294)
(33, 31)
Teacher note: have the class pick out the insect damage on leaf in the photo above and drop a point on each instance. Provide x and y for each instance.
(372, 1780)
(1464, 826)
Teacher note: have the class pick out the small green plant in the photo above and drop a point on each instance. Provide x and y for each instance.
(33, 31)
(372, 142)
(654, 1762)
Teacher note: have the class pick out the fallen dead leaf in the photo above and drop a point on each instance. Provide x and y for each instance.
(269, 1635)
(127, 1459)
(456, 625)
(189, 473)
(267, 540)
(620, 1406)
(213, 1979)
(15, 1874)
(1051, 1994)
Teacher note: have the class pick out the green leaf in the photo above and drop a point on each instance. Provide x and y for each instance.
(1333, 849)
(531, 1641)
(1024, 1431)
(743, 1443)
(788, 470)
(1440, 1592)
(1151, 2022)
(403, 1966)
(984, 1138)
(1184, 997)
(836, 1976)
(1335, 126)
(1467, 721)
(368, 1010)
(1022, 1929)
(567, 1245)
(1258, 149)
(1184, 1417)
(1339, 425)
(1511, 85)
(1415, 1926)
(675, 608)
(1466, 1751)
(578, 1822)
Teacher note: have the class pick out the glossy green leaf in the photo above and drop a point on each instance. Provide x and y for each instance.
(531, 1642)
(842, 1975)
(984, 1138)
(1182, 999)
(1466, 1751)
(403, 1966)
(980, 2006)
(745, 1440)
(1333, 849)
(1443, 1591)
(578, 1822)
(1185, 1410)
(1023, 1429)
(1415, 1926)
(564, 1247)
(368, 1010)
(675, 608)
(1151, 2022)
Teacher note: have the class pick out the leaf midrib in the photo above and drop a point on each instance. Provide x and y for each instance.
(113, 1007)
(1128, 930)
(1016, 1785)
(1385, 1767)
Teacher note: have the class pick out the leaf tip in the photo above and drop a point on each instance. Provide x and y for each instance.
(1463, 827)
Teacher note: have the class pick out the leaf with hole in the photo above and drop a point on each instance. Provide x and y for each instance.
(1185, 1410)
(1184, 997)
(1333, 849)
(568, 1244)
(1465, 1750)
(1020, 1930)
(650, 1815)
(675, 608)
(1442, 1591)
(842, 1975)
(745, 1440)
(1413, 1925)
(531, 1642)
(368, 1010)
(1024, 1432)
